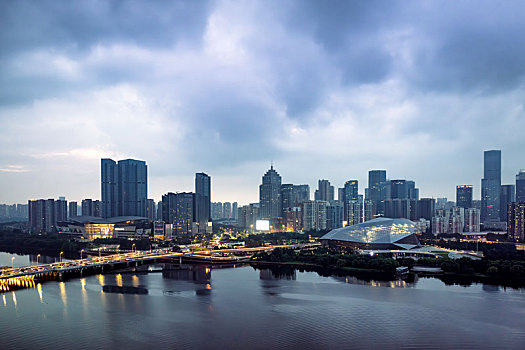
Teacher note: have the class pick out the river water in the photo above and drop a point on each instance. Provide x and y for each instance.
(198, 307)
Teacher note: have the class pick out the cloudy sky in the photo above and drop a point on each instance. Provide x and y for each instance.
(324, 89)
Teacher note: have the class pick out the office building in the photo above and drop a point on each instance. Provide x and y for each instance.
(314, 215)
(287, 197)
(177, 209)
(270, 195)
(301, 193)
(151, 210)
(109, 179)
(350, 194)
(334, 215)
(426, 208)
(507, 196)
(293, 219)
(490, 186)
(516, 222)
(325, 191)
(464, 196)
(377, 191)
(520, 186)
(226, 210)
(124, 188)
(202, 201)
(403, 189)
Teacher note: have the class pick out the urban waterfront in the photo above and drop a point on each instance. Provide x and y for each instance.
(202, 307)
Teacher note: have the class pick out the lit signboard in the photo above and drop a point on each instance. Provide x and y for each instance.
(262, 225)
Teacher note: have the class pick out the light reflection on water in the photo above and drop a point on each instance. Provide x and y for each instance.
(203, 307)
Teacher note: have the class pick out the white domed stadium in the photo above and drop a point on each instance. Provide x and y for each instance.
(380, 233)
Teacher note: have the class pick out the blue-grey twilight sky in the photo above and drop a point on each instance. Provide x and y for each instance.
(325, 89)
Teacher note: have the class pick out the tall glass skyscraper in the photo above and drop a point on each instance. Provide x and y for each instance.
(377, 191)
(270, 195)
(491, 186)
(109, 176)
(124, 187)
(202, 211)
(464, 196)
(520, 186)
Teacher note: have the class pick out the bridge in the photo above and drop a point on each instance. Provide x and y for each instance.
(24, 277)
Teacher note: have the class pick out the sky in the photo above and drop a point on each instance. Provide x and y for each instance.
(323, 89)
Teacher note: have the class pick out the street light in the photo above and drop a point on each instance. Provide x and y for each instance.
(61, 256)
(38, 256)
(132, 246)
(81, 250)
(12, 262)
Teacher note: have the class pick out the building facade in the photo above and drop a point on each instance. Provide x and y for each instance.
(270, 195)
(202, 210)
(516, 222)
(464, 196)
(490, 186)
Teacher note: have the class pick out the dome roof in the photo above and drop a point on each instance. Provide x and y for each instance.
(379, 233)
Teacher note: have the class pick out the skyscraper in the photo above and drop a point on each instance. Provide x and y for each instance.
(61, 209)
(124, 188)
(520, 186)
(377, 192)
(109, 177)
(464, 196)
(177, 209)
(490, 186)
(132, 187)
(325, 191)
(73, 211)
(350, 193)
(507, 196)
(287, 197)
(301, 194)
(202, 210)
(516, 222)
(41, 215)
(270, 195)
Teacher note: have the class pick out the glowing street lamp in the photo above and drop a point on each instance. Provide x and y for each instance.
(133, 246)
(81, 251)
(12, 262)
(38, 256)
(61, 256)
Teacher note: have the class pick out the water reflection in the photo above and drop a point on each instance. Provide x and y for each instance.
(199, 274)
(5, 301)
(40, 294)
(373, 283)
(283, 273)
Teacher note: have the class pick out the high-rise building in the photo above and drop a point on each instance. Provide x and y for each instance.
(109, 179)
(151, 211)
(227, 210)
(235, 210)
(350, 193)
(464, 196)
(301, 194)
(490, 186)
(516, 222)
(202, 201)
(426, 208)
(61, 209)
(177, 209)
(216, 210)
(377, 191)
(132, 187)
(270, 195)
(334, 215)
(520, 186)
(87, 207)
(325, 191)
(42, 216)
(287, 197)
(247, 216)
(73, 210)
(472, 220)
(124, 187)
(398, 208)
(507, 196)
(314, 215)
(403, 189)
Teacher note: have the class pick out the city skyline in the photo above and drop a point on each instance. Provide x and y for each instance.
(419, 89)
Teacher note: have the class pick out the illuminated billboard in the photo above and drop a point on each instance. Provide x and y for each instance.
(262, 225)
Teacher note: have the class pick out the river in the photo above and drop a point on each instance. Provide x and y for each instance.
(198, 307)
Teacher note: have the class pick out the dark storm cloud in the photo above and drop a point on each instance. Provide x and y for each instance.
(219, 84)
